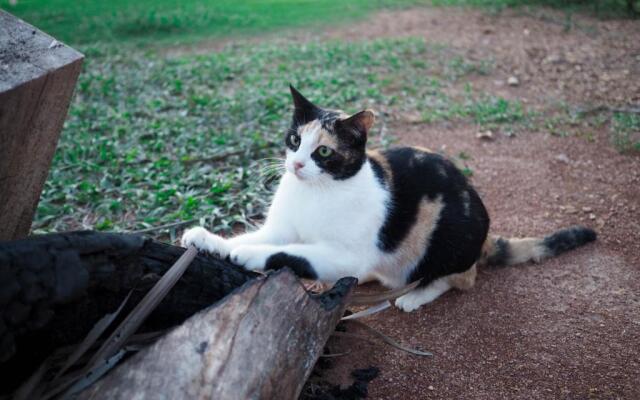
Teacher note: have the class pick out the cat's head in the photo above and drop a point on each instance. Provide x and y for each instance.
(325, 144)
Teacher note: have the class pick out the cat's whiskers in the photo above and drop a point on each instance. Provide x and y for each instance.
(269, 168)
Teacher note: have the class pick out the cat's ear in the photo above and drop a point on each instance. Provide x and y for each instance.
(359, 123)
(305, 111)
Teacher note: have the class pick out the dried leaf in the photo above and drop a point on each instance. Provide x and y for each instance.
(94, 374)
(390, 341)
(369, 311)
(91, 338)
(485, 135)
(133, 321)
(333, 355)
(366, 299)
(29, 389)
(112, 350)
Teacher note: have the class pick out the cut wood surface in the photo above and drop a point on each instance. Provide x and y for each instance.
(37, 78)
(261, 342)
(54, 288)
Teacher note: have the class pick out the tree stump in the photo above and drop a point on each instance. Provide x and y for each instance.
(37, 78)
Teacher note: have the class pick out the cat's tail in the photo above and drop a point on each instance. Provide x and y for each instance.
(500, 251)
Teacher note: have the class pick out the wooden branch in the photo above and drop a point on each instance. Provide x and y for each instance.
(261, 342)
(37, 78)
(54, 288)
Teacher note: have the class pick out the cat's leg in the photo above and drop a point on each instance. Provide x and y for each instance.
(212, 243)
(464, 280)
(423, 295)
(311, 261)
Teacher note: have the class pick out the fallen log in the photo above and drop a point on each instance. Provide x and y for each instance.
(261, 342)
(54, 288)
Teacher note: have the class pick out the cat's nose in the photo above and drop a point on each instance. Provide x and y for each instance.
(298, 165)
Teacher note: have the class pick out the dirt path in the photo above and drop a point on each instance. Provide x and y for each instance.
(570, 327)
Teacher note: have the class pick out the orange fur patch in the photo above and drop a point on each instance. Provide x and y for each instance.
(384, 163)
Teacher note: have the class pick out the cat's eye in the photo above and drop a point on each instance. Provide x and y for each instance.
(294, 140)
(324, 151)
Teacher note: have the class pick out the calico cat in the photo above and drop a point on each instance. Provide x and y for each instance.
(395, 216)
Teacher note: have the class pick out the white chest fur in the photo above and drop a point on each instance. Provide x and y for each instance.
(342, 213)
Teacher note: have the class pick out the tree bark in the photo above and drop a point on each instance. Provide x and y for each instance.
(37, 78)
(54, 288)
(261, 342)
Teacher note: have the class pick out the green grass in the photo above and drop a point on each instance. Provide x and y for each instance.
(159, 22)
(152, 21)
(134, 149)
(625, 132)
(566, 120)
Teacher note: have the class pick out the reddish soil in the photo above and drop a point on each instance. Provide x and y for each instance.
(569, 327)
(594, 61)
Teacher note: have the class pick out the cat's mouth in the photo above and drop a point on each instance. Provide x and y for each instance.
(296, 172)
(302, 175)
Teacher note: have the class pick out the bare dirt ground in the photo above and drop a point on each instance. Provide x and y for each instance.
(568, 328)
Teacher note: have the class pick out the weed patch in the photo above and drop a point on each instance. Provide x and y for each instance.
(151, 141)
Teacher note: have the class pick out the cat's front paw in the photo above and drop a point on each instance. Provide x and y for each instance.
(253, 257)
(204, 240)
(410, 301)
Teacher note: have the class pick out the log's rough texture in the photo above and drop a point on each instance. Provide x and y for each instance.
(54, 288)
(37, 78)
(261, 342)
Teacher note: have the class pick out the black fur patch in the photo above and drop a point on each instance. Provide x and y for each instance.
(343, 163)
(457, 241)
(501, 253)
(378, 171)
(299, 265)
(568, 239)
(328, 119)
